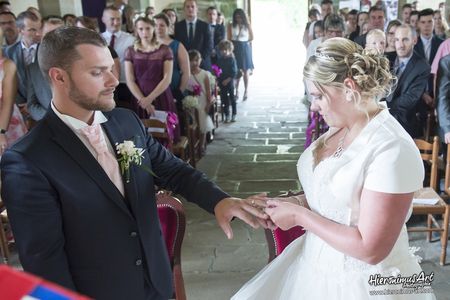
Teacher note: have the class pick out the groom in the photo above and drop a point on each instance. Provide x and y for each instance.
(76, 221)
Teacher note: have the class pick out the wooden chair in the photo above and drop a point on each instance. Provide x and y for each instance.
(429, 153)
(4, 243)
(278, 239)
(158, 129)
(192, 126)
(173, 225)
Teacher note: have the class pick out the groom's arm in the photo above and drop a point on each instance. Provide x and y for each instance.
(35, 217)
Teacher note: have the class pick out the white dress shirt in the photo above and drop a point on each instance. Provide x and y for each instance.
(75, 125)
(122, 42)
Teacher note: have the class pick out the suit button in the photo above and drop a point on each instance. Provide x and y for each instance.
(133, 234)
(138, 262)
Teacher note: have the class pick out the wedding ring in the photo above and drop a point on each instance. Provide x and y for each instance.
(253, 203)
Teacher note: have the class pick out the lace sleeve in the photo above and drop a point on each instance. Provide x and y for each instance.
(129, 53)
(167, 53)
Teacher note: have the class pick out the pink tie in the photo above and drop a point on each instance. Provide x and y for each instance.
(104, 157)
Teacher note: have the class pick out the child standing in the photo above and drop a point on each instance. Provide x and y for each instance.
(199, 80)
(227, 63)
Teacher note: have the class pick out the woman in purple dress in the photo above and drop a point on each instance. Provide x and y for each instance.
(148, 70)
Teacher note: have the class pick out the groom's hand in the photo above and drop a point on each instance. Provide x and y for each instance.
(229, 208)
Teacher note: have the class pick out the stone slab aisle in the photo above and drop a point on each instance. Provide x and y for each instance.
(256, 154)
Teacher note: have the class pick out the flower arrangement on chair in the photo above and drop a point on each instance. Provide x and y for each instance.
(217, 71)
(191, 100)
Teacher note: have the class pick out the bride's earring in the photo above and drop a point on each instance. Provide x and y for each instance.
(348, 96)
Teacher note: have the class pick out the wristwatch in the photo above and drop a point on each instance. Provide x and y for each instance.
(2, 131)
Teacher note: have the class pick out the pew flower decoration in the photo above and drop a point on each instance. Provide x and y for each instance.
(130, 154)
(191, 100)
(216, 70)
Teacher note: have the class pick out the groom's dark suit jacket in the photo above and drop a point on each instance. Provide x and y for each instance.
(72, 225)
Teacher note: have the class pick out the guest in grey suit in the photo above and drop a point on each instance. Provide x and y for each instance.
(39, 93)
(23, 53)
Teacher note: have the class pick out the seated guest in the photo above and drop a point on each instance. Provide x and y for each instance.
(389, 52)
(413, 18)
(12, 125)
(333, 27)
(92, 24)
(377, 19)
(376, 40)
(363, 17)
(39, 92)
(412, 72)
(440, 25)
(10, 30)
(443, 98)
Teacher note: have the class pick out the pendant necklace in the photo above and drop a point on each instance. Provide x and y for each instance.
(340, 148)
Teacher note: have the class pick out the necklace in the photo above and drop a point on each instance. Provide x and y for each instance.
(340, 147)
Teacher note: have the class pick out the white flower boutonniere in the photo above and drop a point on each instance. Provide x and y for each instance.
(129, 154)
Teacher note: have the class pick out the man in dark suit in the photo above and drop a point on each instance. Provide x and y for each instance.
(377, 19)
(195, 34)
(443, 98)
(217, 31)
(75, 221)
(412, 72)
(426, 47)
(23, 53)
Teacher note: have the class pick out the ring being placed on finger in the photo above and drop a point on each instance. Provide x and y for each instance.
(253, 202)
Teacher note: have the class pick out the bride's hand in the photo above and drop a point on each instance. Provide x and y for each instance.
(296, 199)
(283, 213)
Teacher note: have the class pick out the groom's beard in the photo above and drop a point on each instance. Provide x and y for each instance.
(103, 102)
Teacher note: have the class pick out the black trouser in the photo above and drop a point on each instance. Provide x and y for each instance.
(227, 98)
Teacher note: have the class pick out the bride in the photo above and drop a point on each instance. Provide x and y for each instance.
(359, 180)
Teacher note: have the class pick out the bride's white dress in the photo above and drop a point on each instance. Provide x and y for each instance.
(382, 158)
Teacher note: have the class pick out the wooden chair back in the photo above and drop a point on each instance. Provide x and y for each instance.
(447, 173)
(192, 125)
(173, 225)
(158, 130)
(4, 243)
(429, 153)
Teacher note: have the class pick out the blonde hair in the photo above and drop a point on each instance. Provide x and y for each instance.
(339, 58)
(138, 41)
(375, 33)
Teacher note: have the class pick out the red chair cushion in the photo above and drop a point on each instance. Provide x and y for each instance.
(284, 238)
(169, 224)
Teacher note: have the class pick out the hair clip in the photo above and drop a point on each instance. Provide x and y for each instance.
(324, 56)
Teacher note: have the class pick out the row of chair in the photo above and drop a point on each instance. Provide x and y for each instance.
(189, 146)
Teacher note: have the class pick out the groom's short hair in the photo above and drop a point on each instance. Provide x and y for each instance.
(58, 47)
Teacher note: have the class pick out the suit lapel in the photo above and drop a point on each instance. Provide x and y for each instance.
(75, 148)
(116, 134)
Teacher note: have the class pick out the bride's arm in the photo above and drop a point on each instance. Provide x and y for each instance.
(381, 218)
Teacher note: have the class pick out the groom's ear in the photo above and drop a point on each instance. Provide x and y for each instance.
(57, 76)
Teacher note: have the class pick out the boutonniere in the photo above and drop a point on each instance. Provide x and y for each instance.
(130, 154)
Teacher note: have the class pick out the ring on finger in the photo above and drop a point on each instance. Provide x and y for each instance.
(253, 203)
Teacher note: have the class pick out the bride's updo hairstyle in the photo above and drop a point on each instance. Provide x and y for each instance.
(338, 58)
